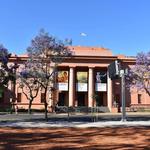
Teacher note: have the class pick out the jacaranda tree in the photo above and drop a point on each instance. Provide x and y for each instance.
(7, 72)
(28, 83)
(45, 53)
(4, 56)
(139, 75)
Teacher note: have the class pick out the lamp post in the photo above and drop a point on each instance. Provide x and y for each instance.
(122, 75)
(115, 72)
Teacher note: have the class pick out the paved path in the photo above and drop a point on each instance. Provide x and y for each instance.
(79, 121)
(42, 124)
(76, 124)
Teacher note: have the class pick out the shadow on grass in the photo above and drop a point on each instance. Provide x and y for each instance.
(75, 138)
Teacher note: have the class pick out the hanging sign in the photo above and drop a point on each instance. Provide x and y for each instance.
(62, 80)
(82, 80)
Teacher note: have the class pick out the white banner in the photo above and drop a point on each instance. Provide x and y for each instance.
(62, 86)
(62, 81)
(101, 87)
(82, 87)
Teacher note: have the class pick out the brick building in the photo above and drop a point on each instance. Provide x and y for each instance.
(79, 78)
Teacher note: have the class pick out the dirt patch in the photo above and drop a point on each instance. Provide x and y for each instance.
(125, 138)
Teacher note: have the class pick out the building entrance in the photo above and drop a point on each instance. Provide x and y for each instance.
(61, 101)
(101, 100)
(81, 99)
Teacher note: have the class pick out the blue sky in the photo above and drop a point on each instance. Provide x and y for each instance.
(120, 25)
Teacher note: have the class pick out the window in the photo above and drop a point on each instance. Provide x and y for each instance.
(19, 97)
(42, 97)
(139, 98)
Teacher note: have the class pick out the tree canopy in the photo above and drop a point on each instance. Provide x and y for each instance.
(139, 75)
(45, 53)
(7, 72)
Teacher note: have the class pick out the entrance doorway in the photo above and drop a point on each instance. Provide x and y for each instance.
(81, 99)
(61, 101)
(102, 99)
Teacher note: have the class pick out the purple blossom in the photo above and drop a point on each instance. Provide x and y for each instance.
(24, 74)
(45, 45)
(3, 51)
(6, 72)
(139, 75)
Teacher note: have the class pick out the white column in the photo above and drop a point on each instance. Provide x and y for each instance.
(71, 86)
(109, 92)
(90, 88)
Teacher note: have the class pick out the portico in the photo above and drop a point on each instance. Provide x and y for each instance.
(82, 84)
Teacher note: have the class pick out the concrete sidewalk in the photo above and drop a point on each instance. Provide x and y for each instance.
(40, 124)
(80, 120)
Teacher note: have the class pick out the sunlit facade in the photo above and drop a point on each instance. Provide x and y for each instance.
(79, 79)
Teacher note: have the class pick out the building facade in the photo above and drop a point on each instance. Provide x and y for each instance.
(82, 80)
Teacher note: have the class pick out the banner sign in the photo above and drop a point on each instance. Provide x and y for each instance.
(101, 87)
(62, 80)
(82, 87)
(82, 81)
(62, 86)
(101, 77)
(101, 80)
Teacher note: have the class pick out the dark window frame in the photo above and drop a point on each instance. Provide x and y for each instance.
(139, 98)
(42, 98)
(19, 97)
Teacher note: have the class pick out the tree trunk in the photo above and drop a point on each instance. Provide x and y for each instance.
(146, 89)
(29, 108)
(45, 104)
